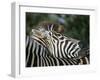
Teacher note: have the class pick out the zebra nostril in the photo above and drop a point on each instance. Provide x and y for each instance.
(83, 44)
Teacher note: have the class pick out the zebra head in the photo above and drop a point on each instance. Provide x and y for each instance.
(44, 30)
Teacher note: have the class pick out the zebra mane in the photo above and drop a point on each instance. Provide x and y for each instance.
(41, 41)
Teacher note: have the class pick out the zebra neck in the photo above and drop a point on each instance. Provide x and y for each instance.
(39, 40)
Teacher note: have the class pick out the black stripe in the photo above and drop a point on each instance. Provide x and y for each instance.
(54, 49)
(30, 57)
(60, 62)
(51, 61)
(39, 50)
(61, 38)
(39, 60)
(57, 46)
(73, 47)
(40, 41)
(66, 53)
(27, 46)
(65, 60)
(48, 60)
(74, 62)
(61, 48)
(55, 61)
(45, 61)
(75, 51)
(55, 37)
(69, 47)
(70, 62)
(35, 57)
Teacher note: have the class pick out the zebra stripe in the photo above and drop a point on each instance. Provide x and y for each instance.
(38, 55)
(34, 49)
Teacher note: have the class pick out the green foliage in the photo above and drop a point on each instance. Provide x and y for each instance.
(76, 26)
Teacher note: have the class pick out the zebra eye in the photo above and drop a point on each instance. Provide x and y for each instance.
(50, 33)
(59, 34)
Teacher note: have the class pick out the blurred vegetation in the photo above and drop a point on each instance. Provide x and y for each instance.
(76, 26)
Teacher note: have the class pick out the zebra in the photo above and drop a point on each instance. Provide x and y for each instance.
(38, 55)
(61, 46)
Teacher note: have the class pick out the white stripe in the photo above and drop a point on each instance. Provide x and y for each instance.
(48, 28)
(77, 53)
(59, 49)
(51, 27)
(37, 48)
(27, 40)
(32, 60)
(87, 61)
(49, 60)
(62, 61)
(52, 60)
(70, 49)
(43, 52)
(33, 53)
(46, 61)
(63, 48)
(67, 48)
(55, 53)
(37, 61)
(41, 49)
(67, 61)
(81, 61)
(57, 62)
(43, 61)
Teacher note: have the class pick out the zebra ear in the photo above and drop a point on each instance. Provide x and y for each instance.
(60, 29)
(78, 41)
(51, 27)
(31, 33)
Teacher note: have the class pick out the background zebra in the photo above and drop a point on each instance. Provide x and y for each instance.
(61, 46)
(37, 54)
